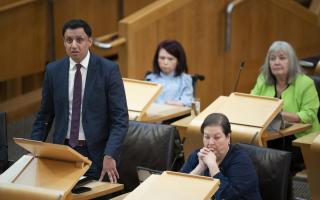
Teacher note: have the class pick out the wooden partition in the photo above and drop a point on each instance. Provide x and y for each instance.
(201, 28)
(24, 47)
(131, 6)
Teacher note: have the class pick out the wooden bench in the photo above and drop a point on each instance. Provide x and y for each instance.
(22, 105)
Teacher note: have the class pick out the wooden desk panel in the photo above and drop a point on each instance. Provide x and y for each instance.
(97, 189)
(312, 162)
(295, 128)
(173, 185)
(161, 112)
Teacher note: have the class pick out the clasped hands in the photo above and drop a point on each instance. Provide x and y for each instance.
(207, 159)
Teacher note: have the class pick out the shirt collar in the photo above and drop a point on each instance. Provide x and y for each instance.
(167, 75)
(84, 62)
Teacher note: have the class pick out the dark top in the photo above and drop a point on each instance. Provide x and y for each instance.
(238, 177)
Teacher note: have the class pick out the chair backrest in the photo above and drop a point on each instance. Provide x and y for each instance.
(273, 169)
(195, 78)
(316, 80)
(3, 143)
(148, 145)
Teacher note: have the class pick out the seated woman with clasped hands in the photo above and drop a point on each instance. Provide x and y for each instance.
(219, 159)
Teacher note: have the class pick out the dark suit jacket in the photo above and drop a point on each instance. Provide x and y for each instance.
(104, 107)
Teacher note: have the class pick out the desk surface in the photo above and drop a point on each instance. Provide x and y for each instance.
(295, 128)
(161, 112)
(172, 186)
(184, 122)
(97, 189)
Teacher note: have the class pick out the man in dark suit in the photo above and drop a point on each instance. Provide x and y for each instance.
(84, 93)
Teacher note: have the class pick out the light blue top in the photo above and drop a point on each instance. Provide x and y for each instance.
(175, 88)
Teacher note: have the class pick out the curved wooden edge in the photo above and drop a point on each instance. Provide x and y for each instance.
(299, 10)
(22, 106)
(246, 134)
(317, 69)
(152, 12)
(17, 191)
(107, 37)
(97, 189)
(315, 145)
(15, 5)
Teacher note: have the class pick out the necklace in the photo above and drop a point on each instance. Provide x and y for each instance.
(280, 89)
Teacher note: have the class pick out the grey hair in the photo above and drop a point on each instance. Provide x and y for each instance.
(294, 67)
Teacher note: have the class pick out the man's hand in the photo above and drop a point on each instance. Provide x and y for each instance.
(110, 167)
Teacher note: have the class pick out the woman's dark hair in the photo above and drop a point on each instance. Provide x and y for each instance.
(77, 23)
(174, 48)
(217, 119)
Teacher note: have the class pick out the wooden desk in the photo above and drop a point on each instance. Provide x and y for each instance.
(295, 128)
(161, 112)
(312, 161)
(174, 185)
(97, 189)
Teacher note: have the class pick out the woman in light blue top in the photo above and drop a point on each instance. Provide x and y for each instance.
(170, 70)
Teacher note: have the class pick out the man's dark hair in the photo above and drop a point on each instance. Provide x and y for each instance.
(77, 23)
(174, 48)
(217, 119)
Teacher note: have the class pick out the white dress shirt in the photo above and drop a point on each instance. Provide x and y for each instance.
(72, 73)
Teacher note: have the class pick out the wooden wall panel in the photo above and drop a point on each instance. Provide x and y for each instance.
(256, 24)
(23, 31)
(102, 16)
(131, 6)
(199, 27)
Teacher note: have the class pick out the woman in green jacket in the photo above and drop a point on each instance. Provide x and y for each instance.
(281, 77)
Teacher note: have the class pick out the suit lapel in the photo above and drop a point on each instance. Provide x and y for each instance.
(90, 80)
(65, 83)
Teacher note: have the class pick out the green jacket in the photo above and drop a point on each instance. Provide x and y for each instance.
(300, 97)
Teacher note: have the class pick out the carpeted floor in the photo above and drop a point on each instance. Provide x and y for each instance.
(301, 189)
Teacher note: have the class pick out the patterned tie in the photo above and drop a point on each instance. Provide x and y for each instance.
(76, 107)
